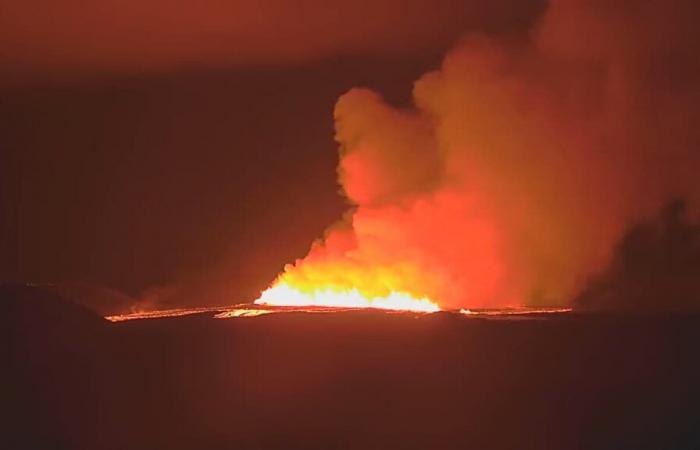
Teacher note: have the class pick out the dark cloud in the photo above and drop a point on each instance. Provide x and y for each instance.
(68, 37)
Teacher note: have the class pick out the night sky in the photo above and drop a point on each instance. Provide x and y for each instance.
(187, 152)
(146, 145)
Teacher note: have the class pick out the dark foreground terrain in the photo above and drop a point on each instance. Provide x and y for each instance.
(358, 380)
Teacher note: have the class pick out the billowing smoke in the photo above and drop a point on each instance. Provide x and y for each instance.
(521, 163)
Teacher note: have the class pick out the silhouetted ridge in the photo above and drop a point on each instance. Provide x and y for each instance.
(21, 302)
(656, 267)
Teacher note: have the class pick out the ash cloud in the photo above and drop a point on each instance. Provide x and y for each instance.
(522, 162)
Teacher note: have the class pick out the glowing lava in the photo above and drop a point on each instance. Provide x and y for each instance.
(242, 312)
(515, 311)
(282, 294)
(163, 313)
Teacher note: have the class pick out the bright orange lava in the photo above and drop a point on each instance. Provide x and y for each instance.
(163, 313)
(282, 294)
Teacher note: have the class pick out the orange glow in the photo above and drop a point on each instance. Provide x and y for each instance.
(513, 311)
(222, 312)
(242, 312)
(281, 298)
(282, 294)
(163, 313)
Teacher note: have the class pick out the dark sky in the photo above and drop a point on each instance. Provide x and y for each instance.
(129, 183)
(64, 39)
(147, 143)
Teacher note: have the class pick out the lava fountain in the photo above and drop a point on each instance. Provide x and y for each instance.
(282, 294)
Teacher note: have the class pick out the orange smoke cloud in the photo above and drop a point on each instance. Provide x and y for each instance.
(520, 164)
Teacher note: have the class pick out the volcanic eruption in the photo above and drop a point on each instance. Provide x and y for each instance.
(486, 261)
(517, 167)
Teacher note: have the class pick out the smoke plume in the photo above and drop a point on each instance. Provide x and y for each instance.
(520, 164)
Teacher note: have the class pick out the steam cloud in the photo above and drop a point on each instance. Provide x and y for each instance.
(522, 163)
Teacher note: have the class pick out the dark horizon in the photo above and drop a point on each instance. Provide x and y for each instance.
(141, 177)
